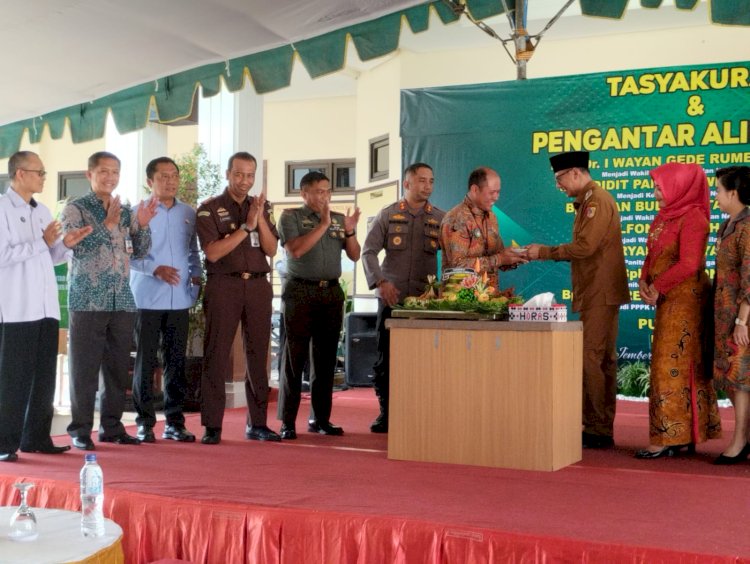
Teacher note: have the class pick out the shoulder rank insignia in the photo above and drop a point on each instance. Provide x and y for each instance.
(402, 205)
(428, 208)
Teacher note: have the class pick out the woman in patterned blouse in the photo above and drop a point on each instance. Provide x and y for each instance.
(731, 305)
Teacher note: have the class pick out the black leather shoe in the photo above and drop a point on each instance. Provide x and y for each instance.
(324, 428)
(123, 439)
(47, 449)
(589, 440)
(288, 432)
(669, 451)
(380, 425)
(84, 443)
(255, 433)
(8, 457)
(724, 460)
(212, 436)
(178, 433)
(145, 434)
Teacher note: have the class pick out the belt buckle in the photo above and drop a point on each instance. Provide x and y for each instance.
(323, 284)
(245, 276)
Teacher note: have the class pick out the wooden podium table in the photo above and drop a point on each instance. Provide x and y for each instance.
(486, 393)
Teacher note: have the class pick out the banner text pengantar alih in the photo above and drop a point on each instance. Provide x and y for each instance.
(641, 137)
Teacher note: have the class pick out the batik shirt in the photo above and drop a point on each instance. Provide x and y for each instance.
(469, 233)
(99, 278)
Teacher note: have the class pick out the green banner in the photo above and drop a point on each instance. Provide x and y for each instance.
(630, 121)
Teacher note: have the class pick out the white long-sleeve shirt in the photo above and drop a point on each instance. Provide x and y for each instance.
(28, 287)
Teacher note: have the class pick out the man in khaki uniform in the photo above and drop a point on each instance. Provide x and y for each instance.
(600, 286)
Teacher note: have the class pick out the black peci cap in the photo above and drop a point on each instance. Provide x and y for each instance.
(573, 159)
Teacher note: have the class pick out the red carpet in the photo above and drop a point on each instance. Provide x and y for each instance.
(339, 499)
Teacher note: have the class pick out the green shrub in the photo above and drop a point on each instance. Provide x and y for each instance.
(633, 379)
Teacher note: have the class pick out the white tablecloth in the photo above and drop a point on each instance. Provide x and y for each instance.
(60, 539)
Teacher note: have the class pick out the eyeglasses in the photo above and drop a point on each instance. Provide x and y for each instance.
(41, 172)
(559, 176)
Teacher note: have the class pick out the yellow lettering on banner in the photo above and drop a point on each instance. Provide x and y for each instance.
(634, 274)
(697, 159)
(635, 295)
(739, 77)
(726, 135)
(729, 158)
(646, 205)
(669, 82)
(629, 137)
(647, 84)
(680, 83)
(645, 323)
(637, 229)
(566, 294)
(635, 250)
(663, 80)
(631, 162)
(614, 82)
(643, 183)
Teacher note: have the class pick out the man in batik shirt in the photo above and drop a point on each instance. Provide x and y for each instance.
(470, 232)
(101, 306)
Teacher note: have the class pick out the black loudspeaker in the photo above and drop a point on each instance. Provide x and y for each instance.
(361, 348)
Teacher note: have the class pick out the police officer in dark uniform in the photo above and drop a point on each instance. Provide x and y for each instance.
(409, 231)
(238, 235)
(313, 301)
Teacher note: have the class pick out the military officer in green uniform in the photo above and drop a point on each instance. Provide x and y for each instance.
(409, 231)
(313, 302)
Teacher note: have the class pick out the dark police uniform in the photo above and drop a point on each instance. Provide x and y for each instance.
(237, 291)
(313, 304)
(411, 243)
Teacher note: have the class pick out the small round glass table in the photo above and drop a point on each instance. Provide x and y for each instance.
(59, 540)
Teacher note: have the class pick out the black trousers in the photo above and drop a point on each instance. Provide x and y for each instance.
(382, 364)
(166, 330)
(100, 343)
(28, 365)
(312, 314)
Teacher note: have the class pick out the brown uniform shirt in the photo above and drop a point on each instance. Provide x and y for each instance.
(597, 261)
(221, 216)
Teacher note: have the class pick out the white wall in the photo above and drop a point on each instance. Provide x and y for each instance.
(305, 130)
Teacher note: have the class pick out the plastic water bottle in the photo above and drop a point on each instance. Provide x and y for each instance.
(92, 498)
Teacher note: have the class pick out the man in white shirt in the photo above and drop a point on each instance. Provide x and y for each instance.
(30, 245)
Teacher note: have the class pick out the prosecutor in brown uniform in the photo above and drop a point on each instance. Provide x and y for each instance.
(600, 286)
(409, 231)
(237, 234)
(313, 302)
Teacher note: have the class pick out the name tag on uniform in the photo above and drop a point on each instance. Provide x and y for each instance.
(254, 239)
